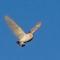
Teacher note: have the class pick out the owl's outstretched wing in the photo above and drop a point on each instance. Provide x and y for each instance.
(36, 27)
(16, 29)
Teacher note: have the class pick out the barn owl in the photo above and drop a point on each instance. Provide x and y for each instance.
(23, 37)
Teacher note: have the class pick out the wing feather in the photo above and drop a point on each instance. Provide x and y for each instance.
(17, 30)
(36, 27)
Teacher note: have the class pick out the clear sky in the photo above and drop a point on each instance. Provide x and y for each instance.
(46, 42)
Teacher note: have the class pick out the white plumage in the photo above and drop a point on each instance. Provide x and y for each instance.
(22, 36)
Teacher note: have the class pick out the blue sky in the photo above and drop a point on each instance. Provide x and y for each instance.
(46, 42)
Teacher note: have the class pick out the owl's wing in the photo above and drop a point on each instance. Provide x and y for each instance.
(16, 29)
(36, 27)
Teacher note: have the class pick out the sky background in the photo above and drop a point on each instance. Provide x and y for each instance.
(46, 42)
